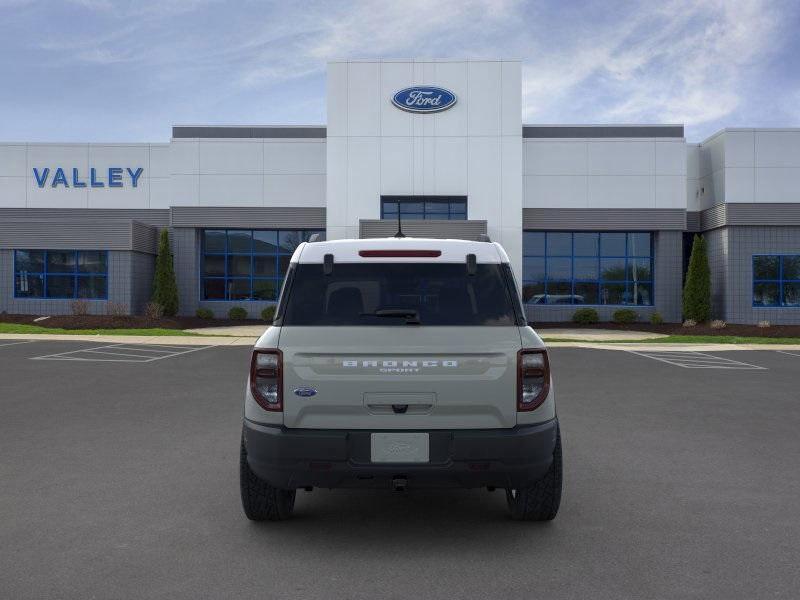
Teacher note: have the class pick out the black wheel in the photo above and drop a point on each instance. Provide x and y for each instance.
(540, 500)
(260, 500)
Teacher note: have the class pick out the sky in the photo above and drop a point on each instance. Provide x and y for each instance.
(126, 71)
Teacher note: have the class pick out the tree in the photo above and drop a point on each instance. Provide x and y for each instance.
(165, 288)
(697, 290)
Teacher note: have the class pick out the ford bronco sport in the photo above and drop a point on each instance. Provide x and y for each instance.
(397, 363)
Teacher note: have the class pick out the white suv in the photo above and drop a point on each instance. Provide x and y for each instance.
(397, 363)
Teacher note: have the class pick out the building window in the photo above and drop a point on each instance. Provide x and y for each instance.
(605, 268)
(61, 274)
(776, 280)
(448, 208)
(247, 264)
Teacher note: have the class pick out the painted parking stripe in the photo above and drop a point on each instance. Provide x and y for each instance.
(697, 360)
(123, 352)
(3, 345)
(787, 353)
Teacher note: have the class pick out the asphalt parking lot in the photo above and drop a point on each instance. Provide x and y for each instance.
(118, 479)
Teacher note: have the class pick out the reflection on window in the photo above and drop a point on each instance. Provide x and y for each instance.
(776, 280)
(448, 208)
(247, 264)
(588, 268)
(66, 274)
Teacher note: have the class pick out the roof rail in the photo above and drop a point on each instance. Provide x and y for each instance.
(314, 237)
(484, 237)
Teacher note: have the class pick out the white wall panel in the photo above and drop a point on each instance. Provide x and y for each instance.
(232, 190)
(451, 166)
(362, 180)
(739, 148)
(555, 157)
(621, 158)
(396, 157)
(336, 182)
(231, 158)
(184, 157)
(124, 197)
(294, 190)
(555, 191)
(452, 76)
(621, 191)
(739, 184)
(337, 99)
(60, 197)
(160, 192)
(510, 199)
(777, 185)
(159, 160)
(777, 149)
(184, 190)
(429, 166)
(13, 160)
(363, 113)
(12, 192)
(482, 97)
(484, 179)
(292, 158)
(394, 76)
(511, 98)
(670, 158)
(670, 191)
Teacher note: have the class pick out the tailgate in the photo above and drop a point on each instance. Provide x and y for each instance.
(400, 377)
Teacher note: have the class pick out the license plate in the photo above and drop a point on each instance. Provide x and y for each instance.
(400, 448)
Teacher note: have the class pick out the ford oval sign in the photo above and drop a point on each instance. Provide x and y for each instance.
(424, 99)
(305, 392)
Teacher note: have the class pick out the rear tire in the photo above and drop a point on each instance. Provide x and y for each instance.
(540, 500)
(260, 500)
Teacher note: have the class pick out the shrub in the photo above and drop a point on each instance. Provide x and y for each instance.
(79, 308)
(656, 318)
(268, 314)
(153, 311)
(116, 309)
(717, 324)
(585, 316)
(697, 290)
(764, 324)
(165, 288)
(624, 315)
(690, 323)
(204, 313)
(237, 313)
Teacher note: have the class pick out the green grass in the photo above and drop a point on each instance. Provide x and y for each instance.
(36, 329)
(688, 339)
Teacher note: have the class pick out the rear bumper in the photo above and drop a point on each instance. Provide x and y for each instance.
(295, 458)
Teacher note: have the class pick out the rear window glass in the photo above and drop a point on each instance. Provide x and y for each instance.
(398, 293)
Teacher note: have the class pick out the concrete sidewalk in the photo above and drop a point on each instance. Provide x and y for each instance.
(596, 335)
(153, 340)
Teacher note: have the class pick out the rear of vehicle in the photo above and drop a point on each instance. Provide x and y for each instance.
(400, 363)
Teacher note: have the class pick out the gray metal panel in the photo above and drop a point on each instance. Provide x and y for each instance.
(713, 217)
(438, 229)
(693, 221)
(151, 216)
(773, 213)
(313, 132)
(255, 217)
(602, 131)
(144, 238)
(66, 234)
(623, 219)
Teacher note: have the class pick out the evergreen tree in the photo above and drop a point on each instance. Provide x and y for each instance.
(697, 290)
(165, 288)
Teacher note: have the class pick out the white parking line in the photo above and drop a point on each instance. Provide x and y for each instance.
(698, 360)
(788, 353)
(127, 352)
(17, 343)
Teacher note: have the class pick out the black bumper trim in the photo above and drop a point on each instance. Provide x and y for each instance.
(332, 458)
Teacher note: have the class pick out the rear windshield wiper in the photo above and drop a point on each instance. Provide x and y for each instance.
(411, 315)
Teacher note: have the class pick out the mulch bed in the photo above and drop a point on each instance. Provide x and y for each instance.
(124, 322)
(774, 331)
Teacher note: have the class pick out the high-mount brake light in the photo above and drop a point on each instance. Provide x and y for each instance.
(399, 253)
(266, 378)
(533, 378)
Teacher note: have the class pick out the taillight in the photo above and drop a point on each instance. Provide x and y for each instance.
(533, 378)
(266, 378)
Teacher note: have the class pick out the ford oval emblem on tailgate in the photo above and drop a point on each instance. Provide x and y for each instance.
(305, 392)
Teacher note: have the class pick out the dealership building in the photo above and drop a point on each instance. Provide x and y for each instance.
(598, 215)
